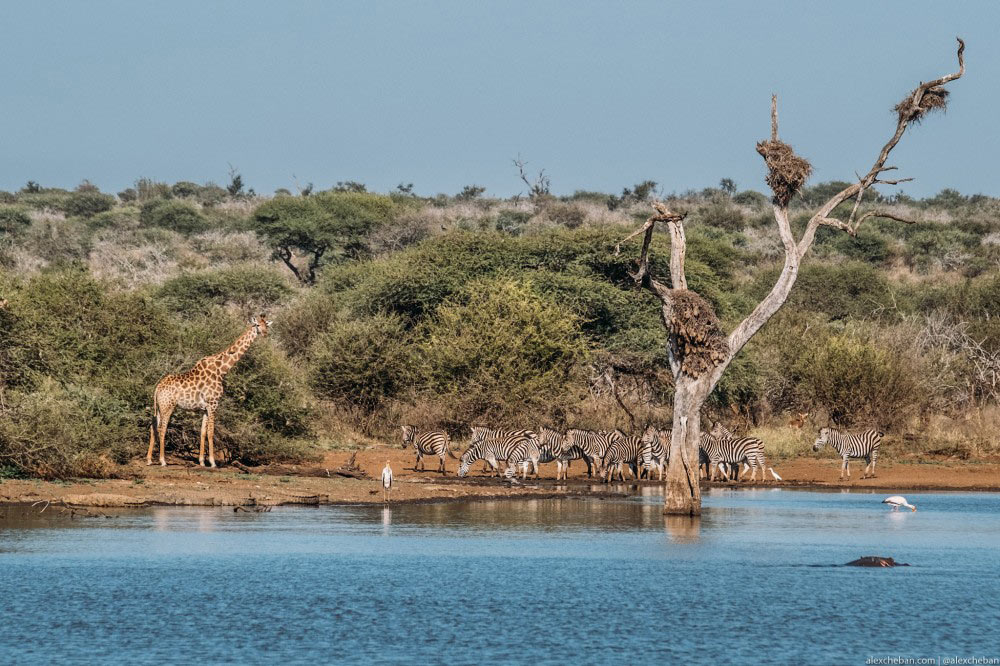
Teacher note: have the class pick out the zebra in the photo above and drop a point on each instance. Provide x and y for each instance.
(655, 443)
(863, 445)
(514, 449)
(427, 443)
(480, 433)
(758, 460)
(722, 449)
(554, 449)
(624, 450)
(593, 445)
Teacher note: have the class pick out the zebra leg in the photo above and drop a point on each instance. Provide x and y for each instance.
(874, 460)
(416, 464)
(441, 467)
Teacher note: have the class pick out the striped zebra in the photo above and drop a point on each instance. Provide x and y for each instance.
(731, 471)
(863, 445)
(515, 450)
(480, 433)
(554, 449)
(720, 448)
(593, 445)
(624, 450)
(655, 443)
(427, 443)
(758, 461)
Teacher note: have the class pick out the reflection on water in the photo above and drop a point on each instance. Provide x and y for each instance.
(506, 581)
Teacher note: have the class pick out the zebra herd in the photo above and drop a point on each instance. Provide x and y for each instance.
(608, 454)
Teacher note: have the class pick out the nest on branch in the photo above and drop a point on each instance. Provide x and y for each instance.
(934, 99)
(701, 344)
(786, 171)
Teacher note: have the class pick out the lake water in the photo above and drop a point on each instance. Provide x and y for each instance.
(577, 581)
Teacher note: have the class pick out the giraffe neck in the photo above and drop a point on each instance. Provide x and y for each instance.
(235, 351)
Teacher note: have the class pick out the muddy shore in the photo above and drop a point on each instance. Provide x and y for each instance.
(184, 483)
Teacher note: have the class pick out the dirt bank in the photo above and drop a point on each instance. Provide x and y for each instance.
(184, 483)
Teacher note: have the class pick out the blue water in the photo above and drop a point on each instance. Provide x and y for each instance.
(576, 581)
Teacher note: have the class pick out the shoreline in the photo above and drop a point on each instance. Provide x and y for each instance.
(343, 478)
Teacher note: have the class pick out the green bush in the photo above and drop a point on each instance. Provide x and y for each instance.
(179, 216)
(88, 203)
(497, 351)
(842, 291)
(184, 189)
(362, 362)
(74, 353)
(13, 219)
(254, 289)
(860, 382)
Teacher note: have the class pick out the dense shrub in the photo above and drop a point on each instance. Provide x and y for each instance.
(184, 189)
(88, 203)
(179, 216)
(253, 289)
(362, 362)
(498, 351)
(13, 219)
(87, 359)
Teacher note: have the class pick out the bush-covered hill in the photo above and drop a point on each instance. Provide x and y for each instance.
(451, 310)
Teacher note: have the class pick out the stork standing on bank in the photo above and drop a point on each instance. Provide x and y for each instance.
(897, 501)
(386, 483)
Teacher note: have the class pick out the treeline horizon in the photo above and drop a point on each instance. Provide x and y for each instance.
(440, 311)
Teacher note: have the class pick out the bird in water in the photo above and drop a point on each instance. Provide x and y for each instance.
(386, 482)
(897, 501)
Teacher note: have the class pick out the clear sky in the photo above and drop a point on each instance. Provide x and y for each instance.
(444, 94)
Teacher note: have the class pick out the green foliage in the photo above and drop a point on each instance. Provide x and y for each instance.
(253, 289)
(13, 219)
(859, 381)
(868, 246)
(842, 291)
(180, 216)
(362, 362)
(88, 203)
(80, 363)
(323, 226)
(497, 350)
(184, 189)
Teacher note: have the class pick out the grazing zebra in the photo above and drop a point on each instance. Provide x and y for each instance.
(624, 450)
(863, 445)
(655, 443)
(553, 449)
(722, 449)
(514, 449)
(427, 443)
(480, 433)
(593, 445)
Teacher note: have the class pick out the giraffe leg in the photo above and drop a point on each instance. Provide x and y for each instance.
(210, 418)
(152, 438)
(201, 440)
(162, 422)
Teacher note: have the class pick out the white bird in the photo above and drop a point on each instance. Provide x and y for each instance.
(386, 482)
(897, 501)
(774, 474)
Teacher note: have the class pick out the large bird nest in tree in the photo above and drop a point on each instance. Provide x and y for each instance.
(786, 171)
(701, 344)
(933, 99)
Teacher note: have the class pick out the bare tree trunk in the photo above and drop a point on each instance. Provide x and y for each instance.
(693, 382)
(683, 491)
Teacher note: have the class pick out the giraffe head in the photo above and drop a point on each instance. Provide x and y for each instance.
(260, 324)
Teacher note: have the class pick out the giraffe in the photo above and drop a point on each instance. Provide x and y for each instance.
(199, 389)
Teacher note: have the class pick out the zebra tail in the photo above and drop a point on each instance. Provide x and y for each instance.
(451, 454)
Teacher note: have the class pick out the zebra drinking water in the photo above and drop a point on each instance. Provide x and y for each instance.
(427, 443)
(515, 450)
(593, 444)
(863, 445)
(624, 450)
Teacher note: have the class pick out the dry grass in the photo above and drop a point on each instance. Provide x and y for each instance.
(783, 442)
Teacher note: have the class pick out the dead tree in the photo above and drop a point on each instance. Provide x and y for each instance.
(698, 351)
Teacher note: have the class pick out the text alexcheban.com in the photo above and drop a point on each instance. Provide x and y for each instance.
(954, 660)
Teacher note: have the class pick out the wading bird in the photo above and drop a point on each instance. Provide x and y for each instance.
(897, 501)
(386, 482)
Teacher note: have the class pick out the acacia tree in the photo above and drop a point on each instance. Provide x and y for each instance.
(698, 350)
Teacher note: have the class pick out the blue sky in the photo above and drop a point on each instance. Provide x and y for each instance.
(445, 94)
